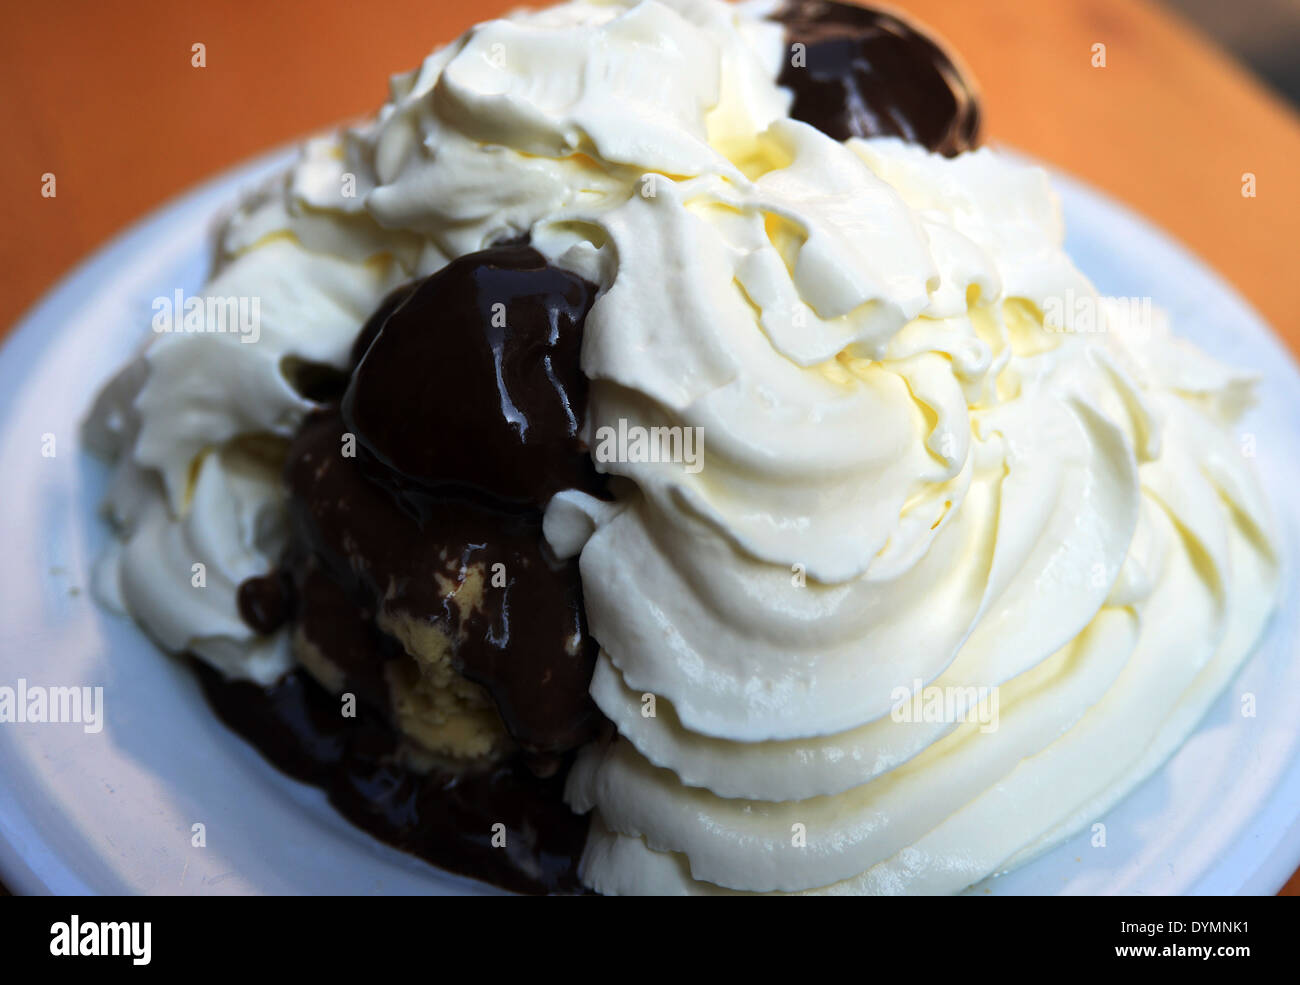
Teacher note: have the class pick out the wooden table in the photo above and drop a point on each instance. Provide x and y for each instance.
(105, 98)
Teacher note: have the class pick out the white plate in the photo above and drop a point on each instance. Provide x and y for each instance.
(112, 812)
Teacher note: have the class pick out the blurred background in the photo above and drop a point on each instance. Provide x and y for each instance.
(1265, 34)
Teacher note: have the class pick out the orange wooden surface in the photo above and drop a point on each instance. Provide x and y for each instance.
(103, 96)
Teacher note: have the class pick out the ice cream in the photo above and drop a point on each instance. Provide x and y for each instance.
(907, 474)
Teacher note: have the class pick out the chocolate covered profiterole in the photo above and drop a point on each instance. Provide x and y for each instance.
(418, 578)
(868, 73)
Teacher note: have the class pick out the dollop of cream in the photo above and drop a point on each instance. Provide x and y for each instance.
(910, 480)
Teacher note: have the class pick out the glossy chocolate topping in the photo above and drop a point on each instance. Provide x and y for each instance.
(525, 640)
(867, 73)
(473, 380)
(264, 602)
(415, 496)
(445, 817)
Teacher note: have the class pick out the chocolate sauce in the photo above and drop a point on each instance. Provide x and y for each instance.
(415, 495)
(473, 380)
(867, 73)
(264, 602)
(374, 323)
(342, 626)
(444, 817)
(525, 640)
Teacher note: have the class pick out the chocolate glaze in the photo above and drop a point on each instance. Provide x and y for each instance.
(322, 383)
(473, 380)
(343, 627)
(526, 643)
(264, 602)
(373, 324)
(444, 817)
(461, 410)
(871, 74)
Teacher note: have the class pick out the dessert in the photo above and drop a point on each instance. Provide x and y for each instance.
(651, 410)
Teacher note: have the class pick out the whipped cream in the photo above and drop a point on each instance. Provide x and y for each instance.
(909, 478)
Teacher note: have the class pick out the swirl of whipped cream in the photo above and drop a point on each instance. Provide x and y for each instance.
(908, 478)
(1100, 557)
